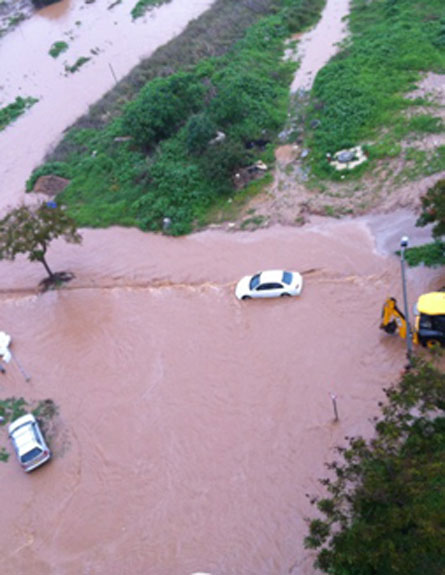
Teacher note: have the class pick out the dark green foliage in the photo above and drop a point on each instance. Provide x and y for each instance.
(220, 162)
(12, 408)
(11, 112)
(360, 92)
(433, 212)
(162, 107)
(58, 48)
(156, 160)
(30, 230)
(439, 40)
(433, 209)
(143, 5)
(385, 512)
(431, 255)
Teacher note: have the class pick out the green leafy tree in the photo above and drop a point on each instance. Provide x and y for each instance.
(200, 129)
(161, 107)
(433, 212)
(385, 512)
(30, 230)
(433, 209)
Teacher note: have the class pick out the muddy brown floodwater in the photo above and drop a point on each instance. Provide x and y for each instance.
(191, 426)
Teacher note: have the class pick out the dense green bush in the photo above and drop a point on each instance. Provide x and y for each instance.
(162, 107)
(200, 130)
(433, 212)
(384, 513)
(433, 209)
(431, 255)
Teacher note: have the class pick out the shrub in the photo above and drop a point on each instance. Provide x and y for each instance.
(58, 48)
(162, 107)
(200, 129)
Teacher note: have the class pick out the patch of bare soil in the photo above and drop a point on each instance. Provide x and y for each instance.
(392, 183)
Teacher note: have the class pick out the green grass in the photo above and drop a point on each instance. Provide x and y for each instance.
(421, 162)
(77, 65)
(58, 48)
(360, 95)
(143, 5)
(11, 112)
(154, 158)
(431, 255)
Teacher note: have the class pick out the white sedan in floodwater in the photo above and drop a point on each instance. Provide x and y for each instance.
(271, 283)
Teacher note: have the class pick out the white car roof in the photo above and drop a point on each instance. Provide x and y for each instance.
(271, 276)
(28, 418)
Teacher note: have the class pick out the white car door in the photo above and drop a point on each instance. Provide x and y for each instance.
(270, 289)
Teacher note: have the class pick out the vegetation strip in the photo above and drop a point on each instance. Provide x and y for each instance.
(11, 112)
(384, 508)
(58, 48)
(359, 97)
(172, 151)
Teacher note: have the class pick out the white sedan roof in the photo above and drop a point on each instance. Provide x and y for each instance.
(271, 276)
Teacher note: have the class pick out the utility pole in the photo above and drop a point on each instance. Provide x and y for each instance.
(409, 342)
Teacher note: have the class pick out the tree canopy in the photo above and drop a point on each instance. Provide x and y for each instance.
(385, 512)
(29, 230)
(433, 209)
(433, 212)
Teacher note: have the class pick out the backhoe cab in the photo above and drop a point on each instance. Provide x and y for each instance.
(429, 321)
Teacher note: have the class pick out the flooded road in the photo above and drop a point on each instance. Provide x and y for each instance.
(191, 424)
(102, 31)
(318, 45)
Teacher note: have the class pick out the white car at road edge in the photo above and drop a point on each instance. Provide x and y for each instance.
(270, 283)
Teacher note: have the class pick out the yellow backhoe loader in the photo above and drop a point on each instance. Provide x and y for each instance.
(429, 319)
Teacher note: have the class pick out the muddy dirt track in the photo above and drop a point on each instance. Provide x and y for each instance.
(191, 426)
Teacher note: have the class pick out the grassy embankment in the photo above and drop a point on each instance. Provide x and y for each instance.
(143, 153)
(360, 96)
(11, 112)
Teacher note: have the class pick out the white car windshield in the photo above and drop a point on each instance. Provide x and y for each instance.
(287, 278)
(254, 281)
